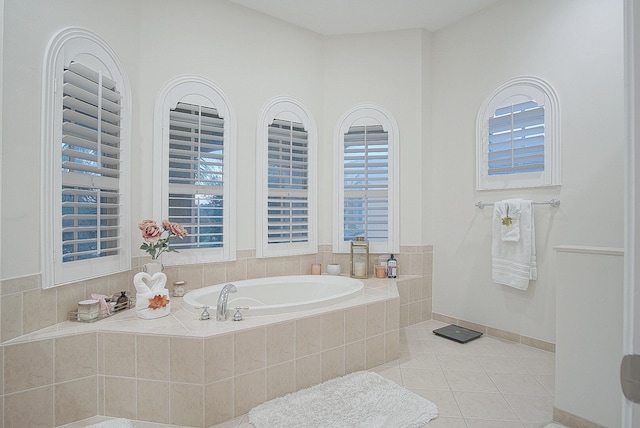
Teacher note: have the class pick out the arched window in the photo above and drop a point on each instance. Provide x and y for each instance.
(286, 180)
(517, 142)
(194, 164)
(86, 146)
(366, 163)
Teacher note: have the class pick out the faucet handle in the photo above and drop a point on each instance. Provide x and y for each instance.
(205, 314)
(238, 315)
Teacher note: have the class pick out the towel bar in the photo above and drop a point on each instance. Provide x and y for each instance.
(555, 203)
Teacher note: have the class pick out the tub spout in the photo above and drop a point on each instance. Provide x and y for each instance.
(222, 301)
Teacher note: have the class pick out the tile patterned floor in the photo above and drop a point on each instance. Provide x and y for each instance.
(486, 383)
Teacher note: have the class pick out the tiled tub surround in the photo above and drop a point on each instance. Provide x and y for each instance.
(26, 307)
(183, 371)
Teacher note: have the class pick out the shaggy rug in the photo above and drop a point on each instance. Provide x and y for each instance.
(361, 399)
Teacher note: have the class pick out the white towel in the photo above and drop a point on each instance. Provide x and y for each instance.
(509, 212)
(514, 261)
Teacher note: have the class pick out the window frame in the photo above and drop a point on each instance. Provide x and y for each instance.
(87, 48)
(200, 91)
(381, 116)
(511, 92)
(286, 107)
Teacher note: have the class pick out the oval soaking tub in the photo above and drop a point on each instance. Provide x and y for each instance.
(276, 295)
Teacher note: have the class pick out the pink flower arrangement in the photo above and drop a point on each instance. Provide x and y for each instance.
(154, 243)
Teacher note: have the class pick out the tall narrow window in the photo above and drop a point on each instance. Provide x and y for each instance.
(367, 187)
(288, 183)
(286, 174)
(86, 148)
(517, 136)
(366, 183)
(196, 174)
(90, 157)
(194, 159)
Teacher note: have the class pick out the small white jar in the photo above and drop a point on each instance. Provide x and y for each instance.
(88, 310)
(179, 288)
(333, 269)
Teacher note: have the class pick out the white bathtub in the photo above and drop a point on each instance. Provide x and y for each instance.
(278, 294)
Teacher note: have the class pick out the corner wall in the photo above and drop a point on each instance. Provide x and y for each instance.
(578, 48)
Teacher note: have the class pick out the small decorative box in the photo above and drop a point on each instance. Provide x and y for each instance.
(88, 310)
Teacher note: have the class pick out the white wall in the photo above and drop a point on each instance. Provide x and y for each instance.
(589, 335)
(577, 47)
(28, 28)
(253, 58)
(383, 69)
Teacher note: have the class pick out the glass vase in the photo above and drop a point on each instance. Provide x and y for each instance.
(153, 267)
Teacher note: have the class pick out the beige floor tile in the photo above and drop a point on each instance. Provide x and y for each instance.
(548, 381)
(447, 422)
(456, 362)
(539, 365)
(501, 364)
(469, 381)
(484, 405)
(532, 408)
(424, 379)
(516, 383)
(444, 400)
(419, 361)
(390, 372)
(480, 423)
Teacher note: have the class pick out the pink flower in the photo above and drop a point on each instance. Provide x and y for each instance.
(151, 232)
(154, 243)
(143, 225)
(175, 229)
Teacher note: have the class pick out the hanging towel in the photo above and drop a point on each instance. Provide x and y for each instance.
(509, 213)
(513, 261)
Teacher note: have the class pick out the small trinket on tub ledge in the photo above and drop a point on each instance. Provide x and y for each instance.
(359, 258)
(333, 269)
(316, 268)
(392, 267)
(122, 302)
(179, 288)
(88, 310)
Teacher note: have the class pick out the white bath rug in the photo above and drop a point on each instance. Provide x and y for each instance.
(112, 423)
(357, 400)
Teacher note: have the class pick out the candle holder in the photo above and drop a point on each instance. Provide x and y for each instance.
(359, 258)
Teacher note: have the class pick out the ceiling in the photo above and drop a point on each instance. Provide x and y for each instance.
(333, 17)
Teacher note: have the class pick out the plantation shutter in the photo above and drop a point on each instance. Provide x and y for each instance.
(516, 139)
(288, 186)
(366, 183)
(196, 171)
(90, 165)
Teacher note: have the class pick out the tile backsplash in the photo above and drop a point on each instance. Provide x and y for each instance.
(25, 307)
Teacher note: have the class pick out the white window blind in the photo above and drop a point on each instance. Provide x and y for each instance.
(518, 136)
(366, 183)
(288, 183)
(91, 207)
(516, 139)
(196, 175)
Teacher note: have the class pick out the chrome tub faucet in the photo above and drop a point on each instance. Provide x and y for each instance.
(221, 311)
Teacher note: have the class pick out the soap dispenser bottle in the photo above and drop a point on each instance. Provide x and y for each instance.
(392, 267)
